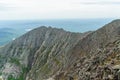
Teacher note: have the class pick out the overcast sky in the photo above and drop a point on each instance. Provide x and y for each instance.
(59, 9)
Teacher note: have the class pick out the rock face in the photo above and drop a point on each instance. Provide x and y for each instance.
(55, 54)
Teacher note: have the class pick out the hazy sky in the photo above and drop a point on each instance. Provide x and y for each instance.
(54, 9)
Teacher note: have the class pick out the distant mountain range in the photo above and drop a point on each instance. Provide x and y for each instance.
(55, 54)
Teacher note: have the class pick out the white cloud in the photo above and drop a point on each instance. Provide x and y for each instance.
(48, 9)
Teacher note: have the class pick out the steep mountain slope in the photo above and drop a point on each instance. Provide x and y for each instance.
(43, 51)
(54, 54)
(98, 55)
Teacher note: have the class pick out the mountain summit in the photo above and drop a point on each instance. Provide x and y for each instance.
(47, 53)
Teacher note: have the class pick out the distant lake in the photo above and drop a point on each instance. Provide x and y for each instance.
(19, 27)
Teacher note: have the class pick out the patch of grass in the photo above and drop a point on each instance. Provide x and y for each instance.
(10, 77)
(25, 69)
(22, 75)
(15, 61)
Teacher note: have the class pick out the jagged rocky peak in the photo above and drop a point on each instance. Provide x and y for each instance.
(47, 53)
(43, 47)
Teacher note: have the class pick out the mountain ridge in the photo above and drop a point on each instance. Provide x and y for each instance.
(50, 53)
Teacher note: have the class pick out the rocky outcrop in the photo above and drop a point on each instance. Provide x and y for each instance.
(97, 55)
(55, 54)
